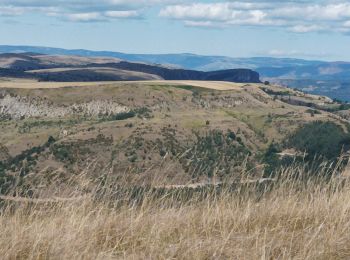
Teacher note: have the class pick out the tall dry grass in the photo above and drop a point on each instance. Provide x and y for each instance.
(293, 218)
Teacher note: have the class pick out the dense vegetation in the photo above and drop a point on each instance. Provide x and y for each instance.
(216, 153)
(314, 143)
(324, 139)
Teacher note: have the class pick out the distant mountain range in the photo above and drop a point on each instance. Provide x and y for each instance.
(185, 60)
(68, 68)
(319, 77)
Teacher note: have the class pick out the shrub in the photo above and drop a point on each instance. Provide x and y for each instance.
(51, 140)
(143, 112)
(125, 115)
(271, 160)
(313, 112)
(162, 153)
(231, 134)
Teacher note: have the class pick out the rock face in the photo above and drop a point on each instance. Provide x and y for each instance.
(62, 69)
(236, 75)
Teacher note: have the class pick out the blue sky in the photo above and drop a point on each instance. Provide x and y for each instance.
(291, 28)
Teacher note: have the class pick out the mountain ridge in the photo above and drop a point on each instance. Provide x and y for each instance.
(76, 68)
(145, 57)
(330, 78)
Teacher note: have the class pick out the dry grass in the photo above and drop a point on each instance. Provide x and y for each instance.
(32, 84)
(293, 219)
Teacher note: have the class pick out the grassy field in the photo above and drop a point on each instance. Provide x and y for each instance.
(293, 219)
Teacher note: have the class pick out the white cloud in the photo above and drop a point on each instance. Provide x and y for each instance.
(295, 16)
(81, 10)
(315, 12)
(300, 16)
(123, 14)
(11, 11)
(85, 17)
(216, 11)
(307, 28)
(204, 24)
(293, 53)
(99, 16)
(280, 53)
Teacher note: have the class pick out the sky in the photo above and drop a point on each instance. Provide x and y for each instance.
(310, 29)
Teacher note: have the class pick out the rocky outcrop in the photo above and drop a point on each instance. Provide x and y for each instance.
(16, 107)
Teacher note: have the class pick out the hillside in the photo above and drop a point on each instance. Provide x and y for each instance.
(76, 69)
(138, 169)
(193, 129)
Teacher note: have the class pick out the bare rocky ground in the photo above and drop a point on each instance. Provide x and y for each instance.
(17, 107)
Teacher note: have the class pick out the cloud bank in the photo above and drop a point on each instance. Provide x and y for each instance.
(81, 10)
(297, 16)
(294, 16)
